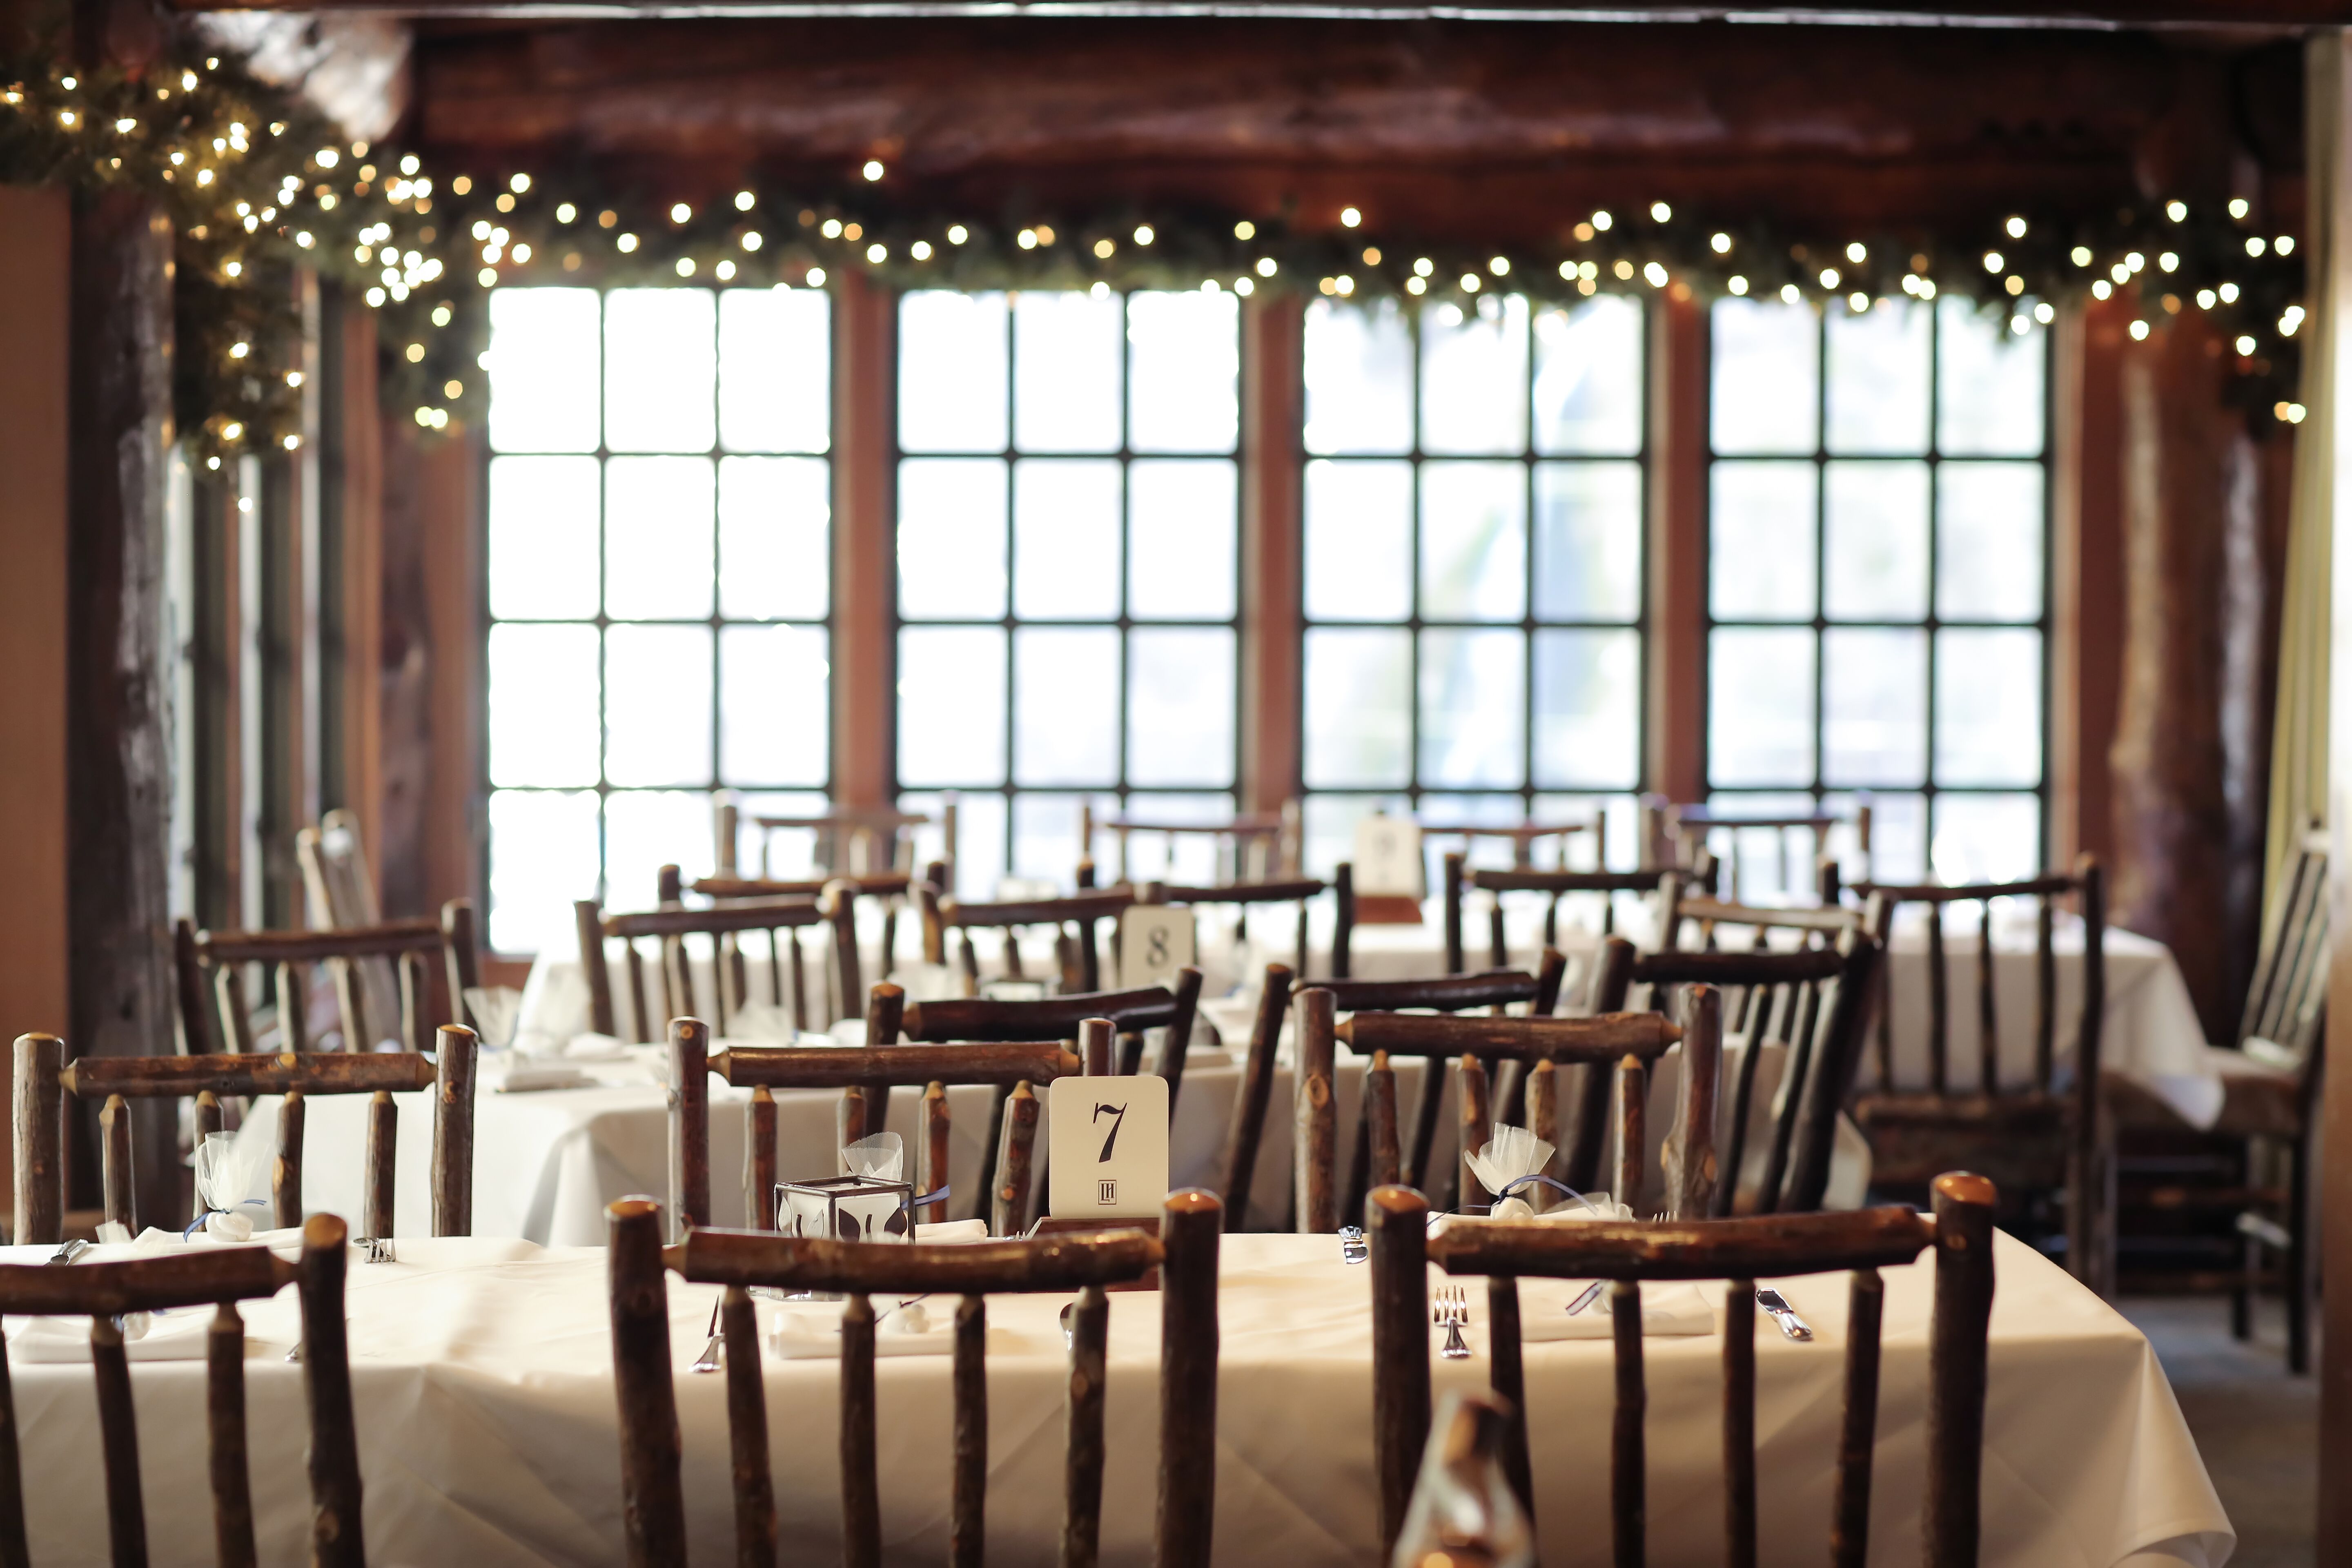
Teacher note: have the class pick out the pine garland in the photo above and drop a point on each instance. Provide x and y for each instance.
(258, 184)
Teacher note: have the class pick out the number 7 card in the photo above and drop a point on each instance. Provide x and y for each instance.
(1106, 1147)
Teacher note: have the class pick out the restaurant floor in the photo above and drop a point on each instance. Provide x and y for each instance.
(2257, 1428)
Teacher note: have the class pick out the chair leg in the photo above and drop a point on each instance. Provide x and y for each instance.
(2296, 1280)
(2241, 1299)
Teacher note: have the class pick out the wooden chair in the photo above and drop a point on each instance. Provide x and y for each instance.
(1690, 827)
(1249, 848)
(1523, 837)
(888, 889)
(1240, 897)
(849, 839)
(725, 924)
(1740, 1251)
(867, 1074)
(1498, 989)
(651, 1490)
(2030, 1142)
(1557, 884)
(1246, 1130)
(2270, 1075)
(224, 1022)
(211, 1277)
(1632, 1041)
(44, 1077)
(1072, 919)
(1816, 1001)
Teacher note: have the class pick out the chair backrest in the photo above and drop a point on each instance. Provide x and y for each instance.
(1693, 827)
(1073, 919)
(1523, 837)
(43, 1077)
(209, 1277)
(1477, 1045)
(726, 924)
(1740, 1251)
(867, 1074)
(1816, 1001)
(1240, 896)
(888, 889)
(1249, 848)
(653, 1499)
(224, 1020)
(849, 840)
(1246, 1130)
(340, 891)
(1557, 884)
(1496, 989)
(2287, 1001)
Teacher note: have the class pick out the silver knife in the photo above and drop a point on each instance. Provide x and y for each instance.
(1772, 1301)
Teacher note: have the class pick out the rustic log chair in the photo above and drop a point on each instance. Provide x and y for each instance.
(1246, 1130)
(223, 1022)
(1632, 1041)
(1448, 994)
(1239, 897)
(2034, 1141)
(867, 1074)
(846, 838)
(43, 1078)
(1248, 847)
(1072, 919)
(781, 918)
(888, 889)
(1557, 884)
(652, 1502)
(1690, 825)
(2270, 1079)
(1740, 1251)
(212, 1277)
(981, 1018)
(1816, 1000)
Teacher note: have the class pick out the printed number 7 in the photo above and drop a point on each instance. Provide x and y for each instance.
(1117, 1113)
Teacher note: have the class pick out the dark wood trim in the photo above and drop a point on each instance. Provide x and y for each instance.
(2276, 16)
(865, 542)
(1674, 731)
(1274, 406)
(2085, 576)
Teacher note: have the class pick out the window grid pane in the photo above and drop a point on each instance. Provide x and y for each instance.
(1068, 565)
(1876, 602)
(657, 617)
(1473, 596)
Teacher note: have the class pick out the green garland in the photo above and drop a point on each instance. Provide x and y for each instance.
(258, 184)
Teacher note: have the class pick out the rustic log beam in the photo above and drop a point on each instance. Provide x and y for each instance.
(1684, 1249)
(816, 1263)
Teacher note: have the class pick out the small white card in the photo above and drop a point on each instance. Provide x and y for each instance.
(1154, 943)
(1388, 858)
(1107, 1150)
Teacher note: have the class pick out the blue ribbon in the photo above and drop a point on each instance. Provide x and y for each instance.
(1512, 1186)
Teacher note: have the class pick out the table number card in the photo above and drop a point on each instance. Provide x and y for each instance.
(1154, 943)
(1107, 1155)
(1388, 858)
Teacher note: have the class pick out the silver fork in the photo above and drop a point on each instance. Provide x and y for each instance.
(1452, 1312)
(708, 1360)
(69, 1250)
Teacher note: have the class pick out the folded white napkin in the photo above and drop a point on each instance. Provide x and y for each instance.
(525, 1077)
(808, 1330)
(590, 1047)
(170, 1336)
(762, 1023)
(952, 1230)
(1666, 1310)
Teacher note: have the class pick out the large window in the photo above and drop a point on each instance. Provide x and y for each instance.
(659, 580)
(1067, 553)
(1473, 563)
(1876, 576)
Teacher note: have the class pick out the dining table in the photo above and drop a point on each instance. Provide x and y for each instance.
(482, 1376)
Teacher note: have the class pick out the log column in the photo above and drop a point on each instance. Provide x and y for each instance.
(2189, 796)
(117, 746)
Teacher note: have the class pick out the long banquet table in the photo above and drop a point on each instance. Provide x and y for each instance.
(482, 1374)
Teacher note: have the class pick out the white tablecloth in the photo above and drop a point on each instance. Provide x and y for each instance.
(483, 1379)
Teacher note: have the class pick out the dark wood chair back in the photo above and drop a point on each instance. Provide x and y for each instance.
(1816, 1001)
(866, 1075)
(1249, 848)
(727, 924)
(653, 1500)
(1691, 826)
(1239, 897)
(888, 889)
(1558, 884)
(1625, 1043)
(43, 1077)
(1740, 1251)
(1072, 919)
(1246, 1130)
(1496, 990)
(215, 1014)
(2035, 1141)
(210, 1276)
(850, 841)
